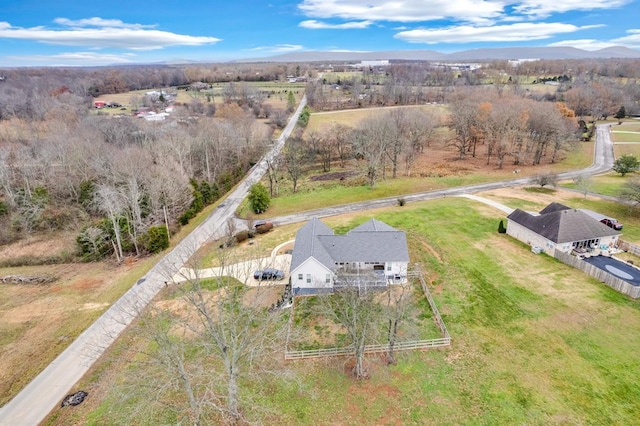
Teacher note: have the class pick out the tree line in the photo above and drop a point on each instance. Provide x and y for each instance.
(119, 178)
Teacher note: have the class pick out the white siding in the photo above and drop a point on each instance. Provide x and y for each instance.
(317, 273)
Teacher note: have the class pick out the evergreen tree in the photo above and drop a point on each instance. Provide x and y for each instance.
(259, 199)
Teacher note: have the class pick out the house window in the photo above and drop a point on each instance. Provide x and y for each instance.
(308, 278)
(299, 277)
(389, 267)
(327, 278)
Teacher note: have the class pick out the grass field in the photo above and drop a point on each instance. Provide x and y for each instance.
(533, 342)
(624, 136)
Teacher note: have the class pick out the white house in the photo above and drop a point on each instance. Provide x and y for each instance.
(373, 254)
(560, 227)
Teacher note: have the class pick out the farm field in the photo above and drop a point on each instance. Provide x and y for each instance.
(533, 341)
(277, 95)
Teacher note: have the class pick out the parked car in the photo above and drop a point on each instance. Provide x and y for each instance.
(268, 274)
(612, 223)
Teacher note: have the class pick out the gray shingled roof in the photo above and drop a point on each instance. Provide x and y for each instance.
(307, 244)
(373, 225)
(373, 241)
(562, 225)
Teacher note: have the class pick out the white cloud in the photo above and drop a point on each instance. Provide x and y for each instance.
(75, 59)
(98, 22)
(544, 8)
(631, 40)
(403, 10)
(119, 35)
(584, 44)
(279, 48)
(479, 12)
(317, 25)
(496, 33)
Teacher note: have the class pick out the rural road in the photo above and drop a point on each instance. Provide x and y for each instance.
(46, 391)
(602, 162)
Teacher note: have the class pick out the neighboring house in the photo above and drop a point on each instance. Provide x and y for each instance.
(560, 227)
(374, 253)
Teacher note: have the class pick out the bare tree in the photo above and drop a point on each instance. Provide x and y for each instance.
(370, 142)
(294, 158)
(398, 299)
(108, 201)
(355, 309)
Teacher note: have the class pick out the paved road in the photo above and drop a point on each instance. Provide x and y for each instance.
(48, 389)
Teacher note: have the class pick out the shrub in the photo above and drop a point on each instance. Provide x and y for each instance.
(263, 229)
(401, 202)
(501, 228)
(242, 236)
(155, 239)
(259, 199)
(626, 163)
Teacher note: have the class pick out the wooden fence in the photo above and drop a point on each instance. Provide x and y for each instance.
(629, 247)
(599, 274)
(444, 341)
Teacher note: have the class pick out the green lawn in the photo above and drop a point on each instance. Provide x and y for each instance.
(623, 136)
(533, 342)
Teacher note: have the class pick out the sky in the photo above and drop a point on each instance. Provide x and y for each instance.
(103, 32)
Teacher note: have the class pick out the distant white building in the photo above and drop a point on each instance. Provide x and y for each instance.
(379, 63)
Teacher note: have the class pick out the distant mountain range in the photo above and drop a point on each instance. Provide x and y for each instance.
(465, 55)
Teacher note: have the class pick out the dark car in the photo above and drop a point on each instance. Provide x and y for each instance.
(612, 223)
(269, 274)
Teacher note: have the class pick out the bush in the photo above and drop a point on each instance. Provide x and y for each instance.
(263, 229)
(401, 202)
(501, 228)
(626, 163)
(156, 239)
(259, 199)
(242, 236)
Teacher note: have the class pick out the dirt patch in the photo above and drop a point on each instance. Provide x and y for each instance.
(87, 283)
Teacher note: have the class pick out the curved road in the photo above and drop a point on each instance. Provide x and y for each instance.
(46, 391)
(602, 162)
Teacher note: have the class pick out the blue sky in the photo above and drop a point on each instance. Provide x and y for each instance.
(103, 32)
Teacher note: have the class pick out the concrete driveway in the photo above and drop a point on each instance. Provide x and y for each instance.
(242, 271)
